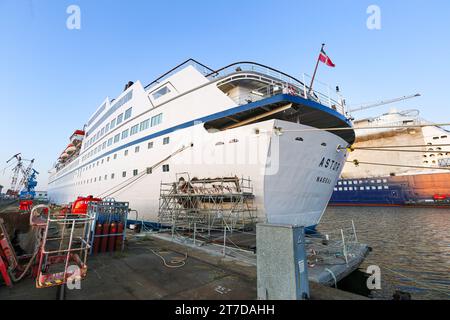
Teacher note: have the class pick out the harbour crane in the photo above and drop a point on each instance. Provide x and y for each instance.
(28, 178)
(382, 103)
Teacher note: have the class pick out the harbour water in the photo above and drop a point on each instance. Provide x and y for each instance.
(410, 245)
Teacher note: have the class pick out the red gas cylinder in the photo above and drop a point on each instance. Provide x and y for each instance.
(119, 237)
(98, 232)
(25, 205)
(104, 242)
(80, 206)
(439, 197)
(112, 238)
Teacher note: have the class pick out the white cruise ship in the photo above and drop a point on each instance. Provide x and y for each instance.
(244, 120)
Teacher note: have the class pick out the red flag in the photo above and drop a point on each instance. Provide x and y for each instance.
(325, 59)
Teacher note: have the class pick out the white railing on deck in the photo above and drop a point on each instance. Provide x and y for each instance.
(322, 92)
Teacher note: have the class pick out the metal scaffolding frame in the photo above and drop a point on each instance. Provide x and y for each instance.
(205, 205)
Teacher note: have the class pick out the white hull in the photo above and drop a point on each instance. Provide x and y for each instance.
(286, 186)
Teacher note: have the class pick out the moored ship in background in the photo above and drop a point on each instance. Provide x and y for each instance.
(397, 167)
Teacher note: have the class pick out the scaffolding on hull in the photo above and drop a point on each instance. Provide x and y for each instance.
(206, 205)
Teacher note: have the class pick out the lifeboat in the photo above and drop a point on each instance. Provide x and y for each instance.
(70, 149)
(64, 156)
(77, 137)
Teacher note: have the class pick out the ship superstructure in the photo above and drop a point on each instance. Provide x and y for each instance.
(244, 120)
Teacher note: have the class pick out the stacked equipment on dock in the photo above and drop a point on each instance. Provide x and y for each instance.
(108, 232)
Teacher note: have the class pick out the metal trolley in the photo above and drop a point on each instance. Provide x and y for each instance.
(64, 246)
(109, 229)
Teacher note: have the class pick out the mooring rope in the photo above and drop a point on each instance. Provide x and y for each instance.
(357, 163)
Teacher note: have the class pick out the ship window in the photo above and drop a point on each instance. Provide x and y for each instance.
(125, 134)
(95, 180)
(135, 172)
(351, 188)
(117, 138)
(134, 129)
(335, 189)
(128, 113)
(444, 137)
(126, 153)
(367, 188)
(110, 141)
(119, 118)
(361, 188)
(144, 125)
(425, 162)
(435, 138)
(150, 145)
(166, 140)
(166, 168)
(106, 177)
(355, 182)
(380, 187)
(386, 187)
(136, 150)
(99, 178)
(161, 92)
(107, 128)
(350, 182)
(340, 183)
(113, 123)
(103, 131)
(340, 189)
(378, 181)
(112, 175)
(124, 174)
(360, 182)
(156, 120)
(115, 156)
(439, 148)
(345, 183)
(374, 188)
(104, 145)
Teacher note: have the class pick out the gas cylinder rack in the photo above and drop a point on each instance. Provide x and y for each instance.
(109, 229)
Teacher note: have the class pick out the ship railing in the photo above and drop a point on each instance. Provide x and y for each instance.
(289, 84)
(341, 240)
(203, 69)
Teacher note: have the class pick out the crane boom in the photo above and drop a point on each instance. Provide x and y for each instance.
(383, 102)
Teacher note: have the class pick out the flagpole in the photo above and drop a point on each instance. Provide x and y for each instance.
(315, 70)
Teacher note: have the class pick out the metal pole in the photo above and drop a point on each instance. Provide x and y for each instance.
(315, 70)
(224, 240)
(354, 231)
(195, 231)
(344, 247)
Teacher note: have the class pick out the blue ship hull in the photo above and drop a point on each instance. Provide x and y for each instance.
(368, 192)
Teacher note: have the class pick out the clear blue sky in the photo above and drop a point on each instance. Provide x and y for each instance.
(52, 79)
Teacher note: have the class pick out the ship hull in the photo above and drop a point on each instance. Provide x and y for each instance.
(292, 178)
(419, 190)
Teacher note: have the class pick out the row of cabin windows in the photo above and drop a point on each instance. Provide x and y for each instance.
(442, 137)
(355, 182)
(109, 126)
(165, 168)
(144, 125)
(137, 149)
(361, 188)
